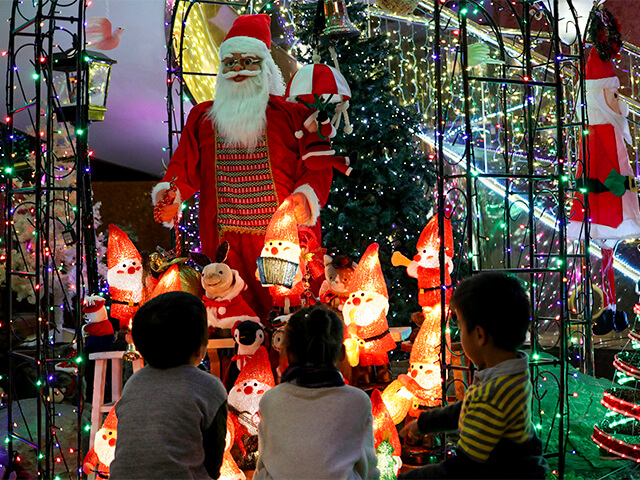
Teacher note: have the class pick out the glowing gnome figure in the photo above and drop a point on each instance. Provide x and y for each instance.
(124, 276)
(229, 469)
(365, 314)
(99, 458)
(423, 380)
(280, 257)
(384, 428)
(254, 379)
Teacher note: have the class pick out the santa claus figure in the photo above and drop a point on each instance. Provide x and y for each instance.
(241, 154)
(124, 276)
(244, 398)
(99, 458)
(98, 331)
(608, 177)
(365, 316)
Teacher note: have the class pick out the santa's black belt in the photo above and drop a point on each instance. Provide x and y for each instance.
(377, 337)
(129, 304)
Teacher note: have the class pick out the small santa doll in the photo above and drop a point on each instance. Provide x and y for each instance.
(99, 458)
(367, 336)
(98, 331)
(614, 214)
(124, 276)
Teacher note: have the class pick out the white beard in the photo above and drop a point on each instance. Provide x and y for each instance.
(102, 448)
(239, 111)
(601, 114)
(367, 312)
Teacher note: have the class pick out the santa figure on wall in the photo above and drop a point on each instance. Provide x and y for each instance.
(241, 154)
(607, 177)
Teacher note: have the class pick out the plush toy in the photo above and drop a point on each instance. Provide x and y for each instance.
(124, 276)
(223, 288)
(249, 336)
(98, 331)
(315, 146)
(99, 458)
(338, 272)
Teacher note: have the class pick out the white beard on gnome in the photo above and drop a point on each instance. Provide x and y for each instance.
(365, 308)
(245, 397)
(127, 275)
(427, 258)
(105, 445)
(239, 110)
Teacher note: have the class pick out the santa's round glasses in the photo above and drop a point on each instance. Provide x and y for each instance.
(243, 62)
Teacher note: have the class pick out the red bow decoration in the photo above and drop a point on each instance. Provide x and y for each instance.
(311, 251)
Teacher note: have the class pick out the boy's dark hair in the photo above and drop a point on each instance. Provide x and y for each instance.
(170, 328)
(497, 302)
(314, 336)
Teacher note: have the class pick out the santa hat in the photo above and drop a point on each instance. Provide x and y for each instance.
(430, 238)
(368, 275)
(257, 368)
(93, 308)
(111, 422)
(120, 248)
(249, 34)
(600, 74)
(422, 350)
(283, 224)
(383, 426)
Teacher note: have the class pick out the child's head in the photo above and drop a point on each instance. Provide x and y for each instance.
(497, 302)
(314, 336)
(170, 329)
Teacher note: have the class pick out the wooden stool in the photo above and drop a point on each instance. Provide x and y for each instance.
(98, 406)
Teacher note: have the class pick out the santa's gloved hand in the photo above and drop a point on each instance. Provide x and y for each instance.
(166, 206)
(301, 208)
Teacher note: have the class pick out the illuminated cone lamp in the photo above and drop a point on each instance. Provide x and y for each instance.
(365, 314)
(279, 260)
(384, 428)
(229, 469)
(97, 71)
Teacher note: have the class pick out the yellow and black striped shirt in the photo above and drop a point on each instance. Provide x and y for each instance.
(496, 409)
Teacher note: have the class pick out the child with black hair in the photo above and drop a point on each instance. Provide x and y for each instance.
(172, 417)
(312, 425)
(497, 438)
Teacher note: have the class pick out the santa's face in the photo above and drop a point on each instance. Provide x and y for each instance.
(127, 275)
(426, 375)
(363, 308)
(245, 397)
(105, 445)
(239, 110)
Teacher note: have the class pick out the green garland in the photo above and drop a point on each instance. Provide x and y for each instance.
(604, 31)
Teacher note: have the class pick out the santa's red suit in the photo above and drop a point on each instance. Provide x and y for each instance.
(124, 305)
(230, 209)
(429, 286)
(377, 341)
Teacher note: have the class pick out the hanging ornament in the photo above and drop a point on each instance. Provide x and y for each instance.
(337, 25)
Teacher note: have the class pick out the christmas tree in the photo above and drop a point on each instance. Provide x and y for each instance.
(389, 201)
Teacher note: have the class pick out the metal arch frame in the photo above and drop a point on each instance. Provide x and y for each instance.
(38, 26)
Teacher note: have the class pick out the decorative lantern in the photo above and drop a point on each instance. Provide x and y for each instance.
(280, 258)
(337, 22)
(97, 69)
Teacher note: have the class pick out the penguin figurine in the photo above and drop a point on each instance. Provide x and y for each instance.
(249, 336)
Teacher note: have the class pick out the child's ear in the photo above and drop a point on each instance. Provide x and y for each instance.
(483, 337)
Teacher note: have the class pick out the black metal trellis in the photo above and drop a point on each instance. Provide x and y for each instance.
(38, 31)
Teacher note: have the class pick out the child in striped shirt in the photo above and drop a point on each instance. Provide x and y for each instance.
(497, 439)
